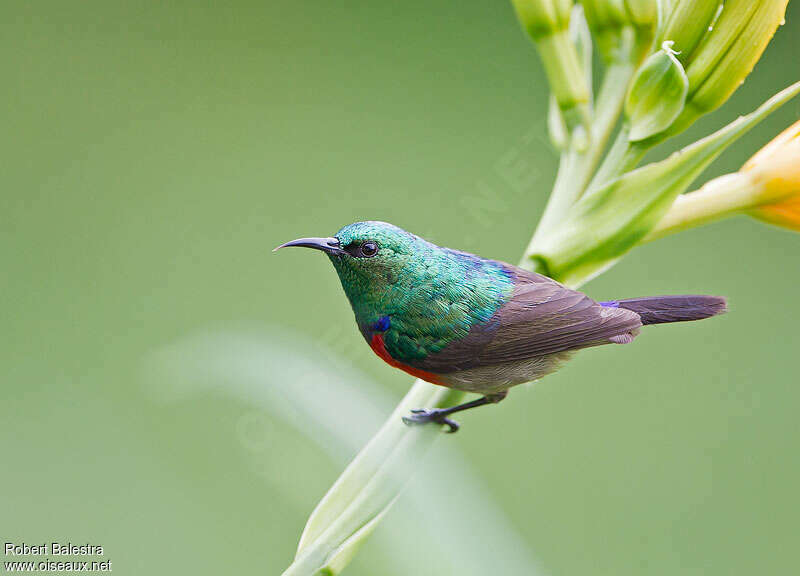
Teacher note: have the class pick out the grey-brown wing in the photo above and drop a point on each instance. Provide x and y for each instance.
(541, 317)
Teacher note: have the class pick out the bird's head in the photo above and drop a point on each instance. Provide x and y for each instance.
(374, 260)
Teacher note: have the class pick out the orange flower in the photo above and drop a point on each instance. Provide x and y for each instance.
(776, 167)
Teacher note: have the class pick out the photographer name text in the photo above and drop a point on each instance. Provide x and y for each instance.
(52, 549)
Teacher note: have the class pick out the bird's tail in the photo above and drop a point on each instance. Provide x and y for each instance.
(665, 309)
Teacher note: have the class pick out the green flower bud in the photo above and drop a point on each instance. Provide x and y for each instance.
(686, 23)
(611, 20)
(547, 23)
(731, 50)
(728, 49)
(722, 35)
(605, 14)
(606, 19)
(543, 17)
(641, 13)
(657, 94)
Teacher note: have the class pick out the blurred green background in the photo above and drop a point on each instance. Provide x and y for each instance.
(153, 155)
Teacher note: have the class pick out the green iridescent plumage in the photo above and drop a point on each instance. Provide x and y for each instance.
(433, 295)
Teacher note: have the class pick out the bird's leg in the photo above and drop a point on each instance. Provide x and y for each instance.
(440, 415)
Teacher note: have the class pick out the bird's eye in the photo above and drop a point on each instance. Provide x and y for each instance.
(369, 249)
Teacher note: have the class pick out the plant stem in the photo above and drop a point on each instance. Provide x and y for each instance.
(630, 48)
(576, 166)
(369, 484)
(622, 157)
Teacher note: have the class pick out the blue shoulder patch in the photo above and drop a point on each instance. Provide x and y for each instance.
(382, 325)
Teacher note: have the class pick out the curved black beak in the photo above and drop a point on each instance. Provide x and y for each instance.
(329, 245)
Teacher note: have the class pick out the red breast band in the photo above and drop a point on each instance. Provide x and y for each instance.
(379, 348)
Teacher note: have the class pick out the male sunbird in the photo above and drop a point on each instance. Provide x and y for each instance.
(461, 321)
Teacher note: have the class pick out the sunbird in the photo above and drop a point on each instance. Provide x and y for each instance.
(458, 320)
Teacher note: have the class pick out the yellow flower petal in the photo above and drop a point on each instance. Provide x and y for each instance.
(791, 133)
(785, 214)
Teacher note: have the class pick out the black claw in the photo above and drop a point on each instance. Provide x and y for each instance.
(453, 425)
(420, 416)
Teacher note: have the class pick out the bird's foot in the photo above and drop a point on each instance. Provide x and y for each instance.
(421, 416)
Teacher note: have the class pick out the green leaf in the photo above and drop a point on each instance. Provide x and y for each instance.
(368, 487)
(657, 94)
